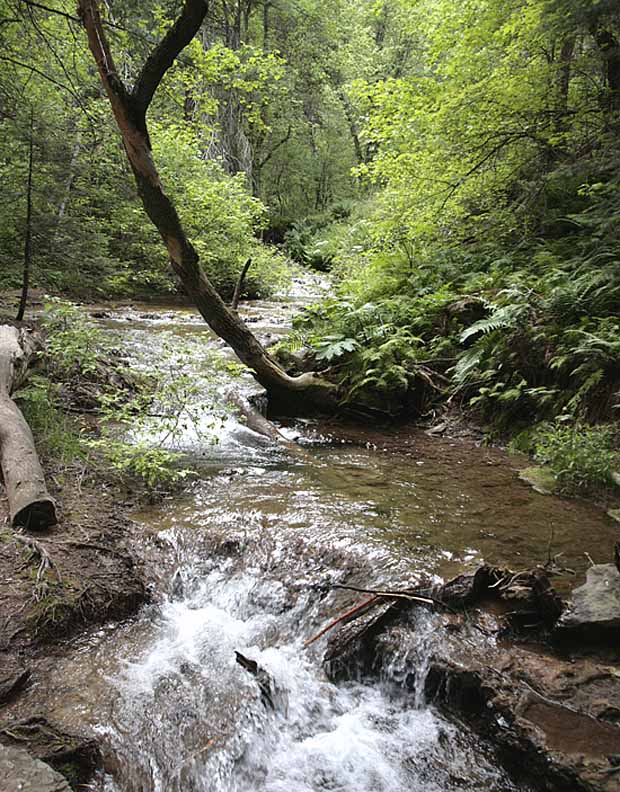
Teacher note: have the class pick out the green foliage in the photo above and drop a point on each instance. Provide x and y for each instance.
(585, 459)
(55, 434)
(75, 346)
(154, 467)
(78, 353)
(331, 348)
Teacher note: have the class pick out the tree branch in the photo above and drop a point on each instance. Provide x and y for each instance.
(164, 54)
(99, 46)
(280, 143)
(38, 72)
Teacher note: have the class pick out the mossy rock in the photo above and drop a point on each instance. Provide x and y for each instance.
(541, 479)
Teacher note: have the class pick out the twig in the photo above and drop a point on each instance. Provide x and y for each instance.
(551, 538)
(88, 545)
(394, 595)
(340, 619)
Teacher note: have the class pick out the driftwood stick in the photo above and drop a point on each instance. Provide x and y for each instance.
(394, 595)
(343, 617)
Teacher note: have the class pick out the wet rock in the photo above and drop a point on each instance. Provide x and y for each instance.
(75, 756)
(530, 594)
(553, 719)
(12, 683)
(541, 479)
(100, 314)
(464, 590)
(263, 678)
(352, 646)
(558, 746)
(177, 586)
(21, 773)
(594, 613)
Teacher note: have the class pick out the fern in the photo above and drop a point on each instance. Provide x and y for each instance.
(500, 318)
(467, 363)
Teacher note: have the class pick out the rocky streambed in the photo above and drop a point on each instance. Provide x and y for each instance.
(478, 691)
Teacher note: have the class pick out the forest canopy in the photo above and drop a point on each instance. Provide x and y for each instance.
(453, 165)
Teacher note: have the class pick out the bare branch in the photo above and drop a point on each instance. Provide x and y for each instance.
(280, 143)
(34, 70)
(49, 10)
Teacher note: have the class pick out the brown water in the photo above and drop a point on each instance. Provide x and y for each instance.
(248, 557)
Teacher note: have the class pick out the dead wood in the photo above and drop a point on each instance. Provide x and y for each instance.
(239, 287)
(357, 611)
(30, 504)
(254, 420)
(263, 678)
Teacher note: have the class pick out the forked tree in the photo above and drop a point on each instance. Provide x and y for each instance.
(293, 394)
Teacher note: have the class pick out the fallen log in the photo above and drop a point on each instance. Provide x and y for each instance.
(30, 505)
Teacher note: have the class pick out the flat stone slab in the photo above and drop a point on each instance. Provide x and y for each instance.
(541, 479)
(21, 773)
(595, 608)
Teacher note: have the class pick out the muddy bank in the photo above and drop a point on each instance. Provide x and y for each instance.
(54, 585)
(493, 661)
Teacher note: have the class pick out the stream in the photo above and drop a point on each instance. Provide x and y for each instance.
(247, 559)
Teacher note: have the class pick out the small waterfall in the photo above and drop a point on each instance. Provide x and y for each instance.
(408, 654)
(258, 544)
(190, 719)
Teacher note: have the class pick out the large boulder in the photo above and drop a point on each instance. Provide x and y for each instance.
(594, 613)
(21, 773)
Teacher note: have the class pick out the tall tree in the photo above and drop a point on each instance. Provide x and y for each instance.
(130, 109)
(28, 234)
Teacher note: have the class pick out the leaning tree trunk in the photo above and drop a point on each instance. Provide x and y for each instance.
(129, 108)
(30, 505)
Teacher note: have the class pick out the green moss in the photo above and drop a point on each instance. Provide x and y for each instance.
(541, 479)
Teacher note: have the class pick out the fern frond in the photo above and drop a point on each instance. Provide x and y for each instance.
(500, 318)
(467, 363)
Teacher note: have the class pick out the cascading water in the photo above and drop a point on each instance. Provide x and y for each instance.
(190, 718)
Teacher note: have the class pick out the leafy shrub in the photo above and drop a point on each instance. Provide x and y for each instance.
(584, 458)
(74, 346)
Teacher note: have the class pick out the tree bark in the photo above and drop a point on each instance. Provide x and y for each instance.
(129, 110)
(28, 237)
(30, 505)
(609, 47)
(239, 287)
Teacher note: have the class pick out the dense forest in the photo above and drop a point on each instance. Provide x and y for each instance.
(309, 395)
(453, 166)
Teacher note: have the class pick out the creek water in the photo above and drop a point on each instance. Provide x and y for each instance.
(247, 559)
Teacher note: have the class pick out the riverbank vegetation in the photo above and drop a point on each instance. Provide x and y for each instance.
(454, 166)
(96, 419)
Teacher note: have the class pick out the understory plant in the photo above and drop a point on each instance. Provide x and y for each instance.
(120, 442)
(585, 459)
